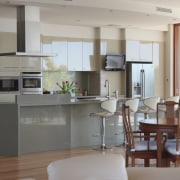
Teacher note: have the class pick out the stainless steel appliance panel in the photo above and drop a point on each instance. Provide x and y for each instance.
(139, 80)
(9, 84)
(31, 83)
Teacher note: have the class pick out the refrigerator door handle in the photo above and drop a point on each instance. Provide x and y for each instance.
(142, 79)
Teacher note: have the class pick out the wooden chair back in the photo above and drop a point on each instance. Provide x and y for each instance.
(172, 147)
(127, 126)
(169, 108)
(137, 145)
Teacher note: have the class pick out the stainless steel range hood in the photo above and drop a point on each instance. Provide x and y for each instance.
(28, 33)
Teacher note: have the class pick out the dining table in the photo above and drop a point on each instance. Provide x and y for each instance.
(160, 127)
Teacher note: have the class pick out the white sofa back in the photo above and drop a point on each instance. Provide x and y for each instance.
(89, 167)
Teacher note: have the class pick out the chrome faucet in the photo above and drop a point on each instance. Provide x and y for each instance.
(108, 86)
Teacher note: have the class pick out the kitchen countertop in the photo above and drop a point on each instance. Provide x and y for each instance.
(53, 99)
(58, 99)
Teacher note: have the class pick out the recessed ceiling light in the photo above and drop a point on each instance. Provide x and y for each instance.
(113, 25)
(165, 10)
(67, 0)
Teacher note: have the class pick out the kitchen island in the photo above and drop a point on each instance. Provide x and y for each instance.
(37, 123)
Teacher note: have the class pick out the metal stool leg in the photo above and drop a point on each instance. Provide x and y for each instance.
(103, 145)
(102, 130)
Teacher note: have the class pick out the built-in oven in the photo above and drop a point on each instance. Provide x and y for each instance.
(31, 83)
(9, 84)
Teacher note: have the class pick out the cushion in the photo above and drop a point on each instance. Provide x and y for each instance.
(170, 147)
(143, 145)
(89, 167)
(153, 173)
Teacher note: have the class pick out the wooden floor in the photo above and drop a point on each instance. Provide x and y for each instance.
(34, 166)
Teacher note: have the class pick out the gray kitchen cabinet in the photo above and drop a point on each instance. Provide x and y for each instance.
(18, 64)
(8, 43)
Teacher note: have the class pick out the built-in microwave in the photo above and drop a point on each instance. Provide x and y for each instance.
(31, 83)
(9, 84)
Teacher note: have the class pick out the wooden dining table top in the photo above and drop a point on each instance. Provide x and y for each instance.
(161, 124)
(159, 127)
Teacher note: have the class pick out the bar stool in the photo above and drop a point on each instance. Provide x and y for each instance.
(133, 105)
(110, 108)
(149, 107)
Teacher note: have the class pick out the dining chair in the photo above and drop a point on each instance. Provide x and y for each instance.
(133, 105)
(172, 147)
(109, 107)
(172, 98)
(169, 110)
(149, 106)
(138, 145)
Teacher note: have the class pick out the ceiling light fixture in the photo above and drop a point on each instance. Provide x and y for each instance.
(161, 9)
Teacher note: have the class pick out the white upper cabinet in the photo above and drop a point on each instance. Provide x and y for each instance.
(58, 62)
(146, 51)
(74, 55)
(89, 63)
(132, 50)
(139, 51)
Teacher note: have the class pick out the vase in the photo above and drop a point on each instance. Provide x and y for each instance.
(73, 94)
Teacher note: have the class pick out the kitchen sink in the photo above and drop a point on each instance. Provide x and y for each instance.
(100, 98)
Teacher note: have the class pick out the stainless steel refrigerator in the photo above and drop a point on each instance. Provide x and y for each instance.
(139, 80)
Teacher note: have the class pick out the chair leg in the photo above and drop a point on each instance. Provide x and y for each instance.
(127, 160)
(135, 121)
(146, 163)
(132, 161)
(176, 164)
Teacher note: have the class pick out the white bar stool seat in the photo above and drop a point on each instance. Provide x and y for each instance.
(149, 107)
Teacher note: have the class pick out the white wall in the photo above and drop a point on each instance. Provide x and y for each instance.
(144, 35)
(67, 31)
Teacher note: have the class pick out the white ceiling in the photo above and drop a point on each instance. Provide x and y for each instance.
(101, 13)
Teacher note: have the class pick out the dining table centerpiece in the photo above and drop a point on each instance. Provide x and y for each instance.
(69, 87)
